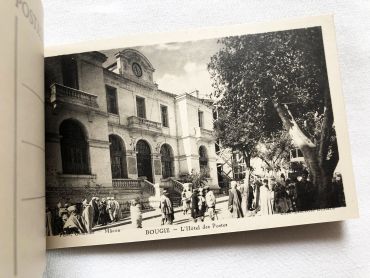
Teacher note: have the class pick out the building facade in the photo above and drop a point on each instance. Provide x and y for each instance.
(109, 126)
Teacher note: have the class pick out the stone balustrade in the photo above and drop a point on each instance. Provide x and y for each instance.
(144, 124)
(206, 132)
(171, 183)
(149, 187)
(177, 186)
(126, 183)
(61, 93)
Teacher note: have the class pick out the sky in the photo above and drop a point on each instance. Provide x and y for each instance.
(179, 67)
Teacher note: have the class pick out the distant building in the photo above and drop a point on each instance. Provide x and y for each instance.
(110, 127)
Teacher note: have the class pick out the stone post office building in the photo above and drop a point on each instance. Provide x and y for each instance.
(112, 128)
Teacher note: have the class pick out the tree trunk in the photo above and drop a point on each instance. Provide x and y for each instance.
(319, 176)
(247, 160)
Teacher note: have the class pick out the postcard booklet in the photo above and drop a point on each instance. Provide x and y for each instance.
(167, 135)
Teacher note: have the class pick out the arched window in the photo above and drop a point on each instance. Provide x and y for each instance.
(167, 161)
(203, 159)
(74, 148)
(144, 160)
(117, 157)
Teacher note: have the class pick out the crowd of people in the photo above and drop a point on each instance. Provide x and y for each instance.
(202, 200)
(197, 201)
(260, 196)
(270, 196)
(80, 218)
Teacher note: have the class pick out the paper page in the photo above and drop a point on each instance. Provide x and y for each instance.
(22, 249)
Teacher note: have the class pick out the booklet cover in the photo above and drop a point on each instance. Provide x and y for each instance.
(168, 135)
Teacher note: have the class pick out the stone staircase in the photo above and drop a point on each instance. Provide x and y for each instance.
(174, 189)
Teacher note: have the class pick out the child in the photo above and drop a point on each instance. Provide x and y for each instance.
(185, 202)
(136, 217)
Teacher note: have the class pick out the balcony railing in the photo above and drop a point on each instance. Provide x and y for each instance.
(66, 94)
(126, 183)
(141, 123)
(206, 132)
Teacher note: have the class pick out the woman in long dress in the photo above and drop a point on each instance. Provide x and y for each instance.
(266, 199)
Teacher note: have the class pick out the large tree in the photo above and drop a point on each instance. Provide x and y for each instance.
(274, 151)
(276, 81)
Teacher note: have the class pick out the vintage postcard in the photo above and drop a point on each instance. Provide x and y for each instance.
(196, 132)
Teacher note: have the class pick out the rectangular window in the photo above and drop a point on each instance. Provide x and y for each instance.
(140, 107)
(200, 118)
(112, 106)
(164, 115)
(69, 71)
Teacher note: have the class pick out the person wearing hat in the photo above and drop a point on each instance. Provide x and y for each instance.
(57, 223)
(135, 213)
(95, 209)
(161, 204)
(110, 208)
(194, 205)
(87, 216)
(267, 198)
(235, 198)
(103, 214)
(210, 202)
(244, 190)
(305, 193)
(73, 224)
(166, 207)
(184, 202)
(280, 198)
(116, 211)
(336, 194)
(201, 205)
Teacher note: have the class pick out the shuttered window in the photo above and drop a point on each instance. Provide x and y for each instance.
(140, 107)
(112, 106)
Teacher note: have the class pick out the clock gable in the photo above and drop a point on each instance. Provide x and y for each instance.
(133, 64)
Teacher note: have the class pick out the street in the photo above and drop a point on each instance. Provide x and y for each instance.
(153, 218)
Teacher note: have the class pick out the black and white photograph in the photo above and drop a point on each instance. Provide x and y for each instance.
(183, 136)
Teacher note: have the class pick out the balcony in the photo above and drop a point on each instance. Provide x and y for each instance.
(205, 134)
(64, 94)
(143, 125)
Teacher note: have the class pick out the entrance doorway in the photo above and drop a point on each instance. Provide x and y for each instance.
(167, 161)
(144, 160)
(117, 157)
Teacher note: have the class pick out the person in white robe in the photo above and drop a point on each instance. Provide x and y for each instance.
(116, 210)
(73, 224)
(87, 216)
(266, 199)
(135, 213)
